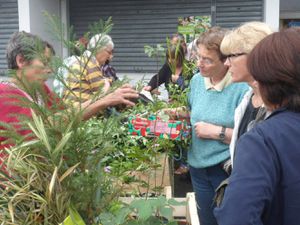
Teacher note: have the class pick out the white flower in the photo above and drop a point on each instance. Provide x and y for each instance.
(107, 169)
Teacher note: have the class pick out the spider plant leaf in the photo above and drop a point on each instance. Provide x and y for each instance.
(39, 130)
(68, 172)
(62, 143)
(11, 211)
(52, 182)
(28, 143)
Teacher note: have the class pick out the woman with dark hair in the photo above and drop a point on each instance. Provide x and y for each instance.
(264, 187)
(171, 71)
(165, 74)
(174, 71)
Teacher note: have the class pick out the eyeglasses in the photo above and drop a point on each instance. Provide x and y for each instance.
(204, 60)
(231, 56)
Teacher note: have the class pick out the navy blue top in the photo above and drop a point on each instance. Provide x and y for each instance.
(264, 187)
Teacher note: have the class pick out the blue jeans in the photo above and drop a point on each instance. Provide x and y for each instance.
(205, 181)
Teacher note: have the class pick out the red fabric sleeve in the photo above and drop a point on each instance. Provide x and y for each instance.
(9, 112)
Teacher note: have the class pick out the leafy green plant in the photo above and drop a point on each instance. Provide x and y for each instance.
(143, 212)
(157, 52)
(55, 170)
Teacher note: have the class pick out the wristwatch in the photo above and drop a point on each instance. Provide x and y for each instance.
(222, 134)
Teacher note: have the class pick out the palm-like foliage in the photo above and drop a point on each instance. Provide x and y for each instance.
(59, 163)
(56, 168)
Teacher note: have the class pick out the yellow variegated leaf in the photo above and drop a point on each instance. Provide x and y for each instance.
(70, 170)
(11, 211)
(52, 182)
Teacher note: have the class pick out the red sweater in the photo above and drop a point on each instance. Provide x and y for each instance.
(10, 110)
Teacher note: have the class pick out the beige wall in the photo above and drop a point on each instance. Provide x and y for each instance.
(32, 19)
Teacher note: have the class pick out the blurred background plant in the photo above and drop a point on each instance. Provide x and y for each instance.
(157, 52)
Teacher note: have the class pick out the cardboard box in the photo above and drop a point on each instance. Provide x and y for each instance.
(153, 126)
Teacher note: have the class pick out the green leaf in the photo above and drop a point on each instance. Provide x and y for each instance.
(153, 220)
(68, 172)
(62, 143)
(173, 202)
(122, 215)
(172, 223)
(166, 212)
(74, 218)
(144, 209)
(158, 202)
(39, 130)
(108, 219)
(52, 182)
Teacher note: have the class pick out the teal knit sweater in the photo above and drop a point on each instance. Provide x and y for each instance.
(212, 107)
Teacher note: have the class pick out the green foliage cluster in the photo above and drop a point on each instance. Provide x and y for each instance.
(155, 211)
(69, 165)
(62, 166)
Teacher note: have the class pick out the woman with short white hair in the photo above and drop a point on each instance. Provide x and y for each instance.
(87, 76)
(106, 45)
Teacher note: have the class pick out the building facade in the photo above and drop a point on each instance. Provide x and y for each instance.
(136, 22)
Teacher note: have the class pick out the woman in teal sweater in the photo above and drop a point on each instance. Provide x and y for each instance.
(212, 101)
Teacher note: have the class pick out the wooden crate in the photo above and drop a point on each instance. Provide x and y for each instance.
(187, 213)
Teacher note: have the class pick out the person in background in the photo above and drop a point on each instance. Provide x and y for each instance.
(180, 74)
(236, 45)
(86, 77)
(212, 101)
(28, 58)
(192, 50)
(165, 74)
(109, 71)
(175, 59)
(62, 73)
(264, 185)
(179, 38)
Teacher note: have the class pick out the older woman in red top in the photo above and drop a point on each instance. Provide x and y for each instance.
(28, 57)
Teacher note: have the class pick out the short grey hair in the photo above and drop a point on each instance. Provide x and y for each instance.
(25, 44)
(99, 42)
(212, 39)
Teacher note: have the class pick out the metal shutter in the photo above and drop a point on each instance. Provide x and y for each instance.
(9, 23)
(136, 23)
(231, 13)
(141, 22)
